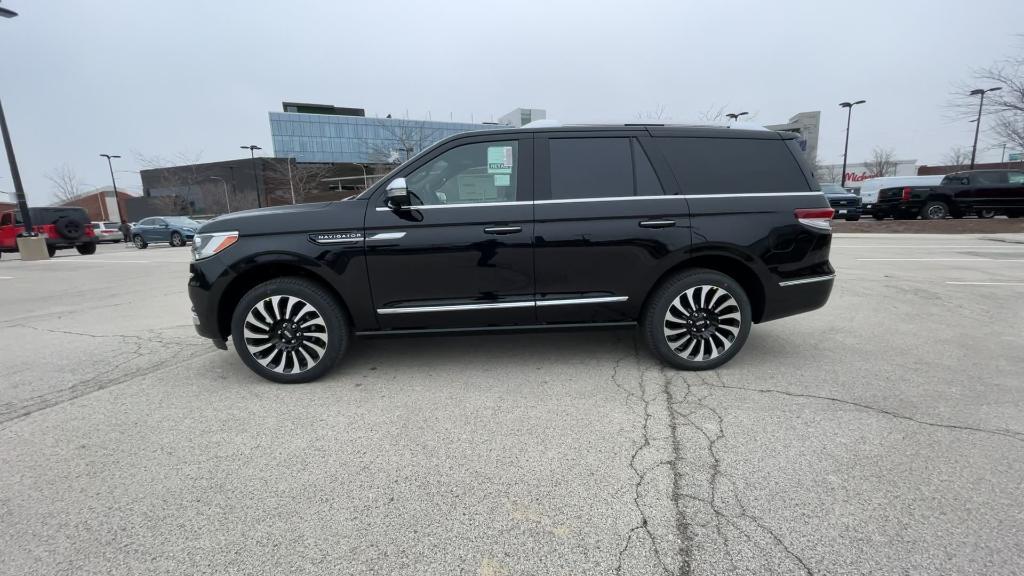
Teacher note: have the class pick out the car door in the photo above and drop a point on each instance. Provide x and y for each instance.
(989, 189)
(604, 220)
(461, 255)
(159, 231)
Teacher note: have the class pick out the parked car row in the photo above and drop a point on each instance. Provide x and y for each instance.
(982, 193)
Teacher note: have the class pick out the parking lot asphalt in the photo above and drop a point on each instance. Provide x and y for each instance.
(883, 434)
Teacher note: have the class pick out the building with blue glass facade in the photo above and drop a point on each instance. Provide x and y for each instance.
(333, 137)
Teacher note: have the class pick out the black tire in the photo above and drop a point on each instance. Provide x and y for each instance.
(878, 216)
(934, 210)
(986, 214)
(275, 356)
(86, 249)
(52, 251)
(139, 242)
(177, 240)
(853, 218)
(710, 289)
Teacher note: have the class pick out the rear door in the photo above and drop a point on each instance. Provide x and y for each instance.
(605, 214)
(990, 189)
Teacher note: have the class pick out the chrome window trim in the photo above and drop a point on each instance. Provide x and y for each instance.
(807, 280)
(490, 305)
(608, 199)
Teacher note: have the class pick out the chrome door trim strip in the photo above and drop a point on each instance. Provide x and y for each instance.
(455, 307)
(461, 205)
(754, 195)
(387, 236)
(491, 305)
(568, 301)
(807, 280)
(607, 199)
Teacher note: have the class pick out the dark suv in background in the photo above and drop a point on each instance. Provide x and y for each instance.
(984, 193)
(693, 233)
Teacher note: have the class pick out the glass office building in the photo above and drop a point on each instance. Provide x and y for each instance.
(357, 139)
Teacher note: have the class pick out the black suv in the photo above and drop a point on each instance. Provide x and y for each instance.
(694, 233)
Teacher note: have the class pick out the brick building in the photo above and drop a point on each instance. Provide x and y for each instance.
(101, 203)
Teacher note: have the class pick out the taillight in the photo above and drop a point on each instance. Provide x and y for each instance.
(820, 218)
(906, 193)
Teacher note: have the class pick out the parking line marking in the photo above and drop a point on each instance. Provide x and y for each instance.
(938, 260)
(986, 283)
(977, 248)
(6, 277)
(85, 260)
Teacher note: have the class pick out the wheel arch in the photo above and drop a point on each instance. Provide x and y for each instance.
(263, 272)
(725, 263)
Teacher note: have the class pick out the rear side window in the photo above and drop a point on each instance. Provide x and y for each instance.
(733, 165)
(600, 168)
(1016, 177)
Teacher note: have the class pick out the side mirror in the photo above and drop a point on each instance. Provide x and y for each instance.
(398, 192)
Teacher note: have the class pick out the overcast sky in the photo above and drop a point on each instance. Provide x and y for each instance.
(81, 78)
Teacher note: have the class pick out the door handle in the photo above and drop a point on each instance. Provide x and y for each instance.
(657, 223)
(503, 229)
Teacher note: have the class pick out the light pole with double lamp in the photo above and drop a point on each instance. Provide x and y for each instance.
(846, 147)
(252, 148)
(19, 190)
(977, 125)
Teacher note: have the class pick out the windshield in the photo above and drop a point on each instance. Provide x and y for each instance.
(830, 188)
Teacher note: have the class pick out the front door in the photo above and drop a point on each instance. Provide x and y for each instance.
(462, 254)
(604, 222)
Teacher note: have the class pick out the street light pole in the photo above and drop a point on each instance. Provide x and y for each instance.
(846, 147)
(291, 183)
(977, 125)
(110, 165)
(19, 191)
(252, 154)
(227, 199)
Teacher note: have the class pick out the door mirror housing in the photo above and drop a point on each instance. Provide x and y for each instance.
(398, 192)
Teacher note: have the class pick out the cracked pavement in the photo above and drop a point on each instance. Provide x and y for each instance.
(883, 434)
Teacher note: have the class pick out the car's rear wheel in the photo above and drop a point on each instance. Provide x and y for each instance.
(290, 330)
(935, 210)
(52, 251)
(177, 240)
(139, 242)
(986, 213)
(86, 249)
(697, 320)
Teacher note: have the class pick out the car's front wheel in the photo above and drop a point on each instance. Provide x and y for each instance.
(290, 330)
(698, 320)
(177, 240)
(935, 210)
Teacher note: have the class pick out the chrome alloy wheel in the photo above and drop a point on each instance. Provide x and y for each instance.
(702, 323)
(285, 334)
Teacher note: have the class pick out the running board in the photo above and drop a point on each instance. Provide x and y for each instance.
(516, 328)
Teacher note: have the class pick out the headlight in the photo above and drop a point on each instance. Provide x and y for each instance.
(206, 245)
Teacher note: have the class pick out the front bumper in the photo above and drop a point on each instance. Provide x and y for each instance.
(204, 292)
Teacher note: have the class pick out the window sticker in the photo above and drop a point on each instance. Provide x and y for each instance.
(499, 160)
(502, 179)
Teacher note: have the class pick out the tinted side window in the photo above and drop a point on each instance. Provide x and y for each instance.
(5, 219)
(647, 183)
(990, 178)
(591, 168)
(1016, 177)
(733, 165)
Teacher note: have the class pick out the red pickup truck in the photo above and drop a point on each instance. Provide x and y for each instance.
(62, 228)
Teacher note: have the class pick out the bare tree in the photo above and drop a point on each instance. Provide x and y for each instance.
(712, 114)
(655, 115)
(1005, 106)
(66, 184)
(958, 158)
(183, 182)
(305, 178)
(882, 163)
(402, 140)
